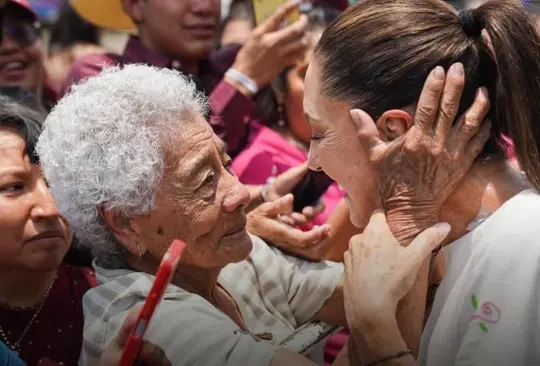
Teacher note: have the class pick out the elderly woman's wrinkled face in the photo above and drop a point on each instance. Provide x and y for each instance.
(335, 148)
(200, 201)
(33, 234)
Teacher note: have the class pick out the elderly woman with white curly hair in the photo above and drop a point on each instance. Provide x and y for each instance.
(133, 165)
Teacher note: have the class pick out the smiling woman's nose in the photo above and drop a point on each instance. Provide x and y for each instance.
(313, 161)
(237, 196)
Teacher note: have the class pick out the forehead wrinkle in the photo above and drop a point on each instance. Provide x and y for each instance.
(193, 160)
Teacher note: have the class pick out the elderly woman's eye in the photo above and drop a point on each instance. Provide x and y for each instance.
(316, 137)
(209, 179)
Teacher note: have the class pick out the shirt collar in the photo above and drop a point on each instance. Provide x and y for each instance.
(136, 52)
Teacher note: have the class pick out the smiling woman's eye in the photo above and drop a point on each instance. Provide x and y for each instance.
(12, 188)
(228, 166)
(316, 137)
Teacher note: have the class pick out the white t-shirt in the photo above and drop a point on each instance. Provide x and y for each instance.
(487, 308)
(275, 294)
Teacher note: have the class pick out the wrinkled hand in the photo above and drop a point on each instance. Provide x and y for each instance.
(269, 49)
(379, 271)
(266, 222)
(419, 170)
(149, 354)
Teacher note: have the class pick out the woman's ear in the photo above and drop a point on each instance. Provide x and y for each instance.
(124, 230)
(394, 123)
(134, 9)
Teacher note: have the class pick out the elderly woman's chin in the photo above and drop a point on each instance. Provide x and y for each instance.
(235, 247)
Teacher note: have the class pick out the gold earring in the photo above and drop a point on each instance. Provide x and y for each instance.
(139, 251)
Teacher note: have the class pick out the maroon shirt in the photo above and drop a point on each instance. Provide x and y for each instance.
(230, 111)
(56, 334)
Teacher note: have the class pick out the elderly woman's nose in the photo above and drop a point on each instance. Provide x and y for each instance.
(44, 205)
(237, 196)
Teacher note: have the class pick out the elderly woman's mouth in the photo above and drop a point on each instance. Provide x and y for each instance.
(240, 229)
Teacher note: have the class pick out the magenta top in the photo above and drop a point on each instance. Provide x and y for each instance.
(269, 154)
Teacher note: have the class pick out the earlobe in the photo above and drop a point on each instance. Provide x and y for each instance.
(394, 123)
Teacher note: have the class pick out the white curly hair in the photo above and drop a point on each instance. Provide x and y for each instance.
(103, 145)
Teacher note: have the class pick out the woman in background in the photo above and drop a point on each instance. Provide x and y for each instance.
(21, 54)
(40, 297)
(237, 26)
(71, 38)
(284, 141)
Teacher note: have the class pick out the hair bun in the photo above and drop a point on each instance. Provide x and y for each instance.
(470, 22)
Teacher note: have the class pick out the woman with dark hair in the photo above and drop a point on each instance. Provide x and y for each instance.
(21, 54)
(237, 26)
(365, 80)
(283, 142)
(71, 38)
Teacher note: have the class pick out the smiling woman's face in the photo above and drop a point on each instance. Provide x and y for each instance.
(336, 149)
(33, 234)
(20, 51)
(200, 201)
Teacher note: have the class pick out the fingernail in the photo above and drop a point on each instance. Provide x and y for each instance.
(443, 228)
(438, 73)
(484, 91)
(457, 69)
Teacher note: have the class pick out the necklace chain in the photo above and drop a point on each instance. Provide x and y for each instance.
(16, 346)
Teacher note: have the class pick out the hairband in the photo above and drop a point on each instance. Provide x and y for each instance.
(470, 22)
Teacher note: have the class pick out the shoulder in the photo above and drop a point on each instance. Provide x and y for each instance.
(223, 58)
(273, 263)
(513, 230)
(89, 65)
(82, 278)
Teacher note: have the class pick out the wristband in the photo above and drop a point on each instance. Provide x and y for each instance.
(243, 80)
(264, 190)
(389, 358)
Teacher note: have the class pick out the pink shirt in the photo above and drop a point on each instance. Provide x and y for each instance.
(269, 154)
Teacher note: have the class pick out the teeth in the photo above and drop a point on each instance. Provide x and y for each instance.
(14, 65)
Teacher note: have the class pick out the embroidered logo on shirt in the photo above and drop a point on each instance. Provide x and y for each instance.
(487, 313)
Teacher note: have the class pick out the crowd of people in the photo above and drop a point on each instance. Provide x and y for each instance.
(421, 250)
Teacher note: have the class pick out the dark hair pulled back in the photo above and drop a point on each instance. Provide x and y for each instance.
(378, 54)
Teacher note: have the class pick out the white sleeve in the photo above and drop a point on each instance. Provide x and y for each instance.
(500, 315)
(192, 332)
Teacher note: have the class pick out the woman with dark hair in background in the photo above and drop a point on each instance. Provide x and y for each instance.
(284, 142)
(365, 80)
(21, 54)
(237, 26)
(71, 38)
(38, 294)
